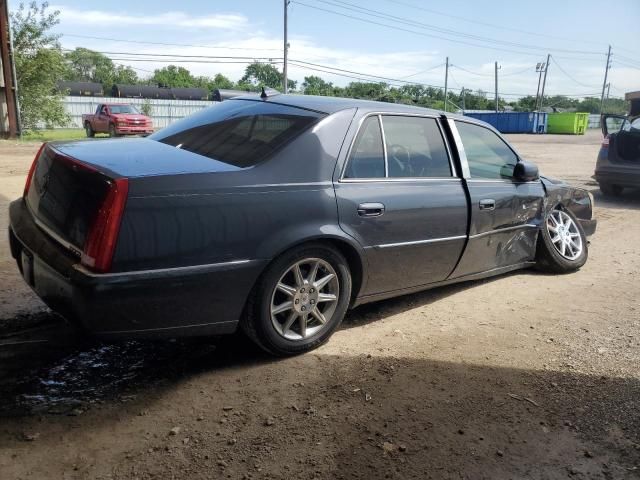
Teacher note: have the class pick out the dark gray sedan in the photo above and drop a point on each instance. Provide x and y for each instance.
(278, 213)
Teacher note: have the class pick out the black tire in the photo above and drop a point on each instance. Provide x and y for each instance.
(257, 323)
(549, 259)
(89, 130)
(112, 130)
(611, 190)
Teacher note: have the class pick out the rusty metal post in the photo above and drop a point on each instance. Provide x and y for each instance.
(8, 87)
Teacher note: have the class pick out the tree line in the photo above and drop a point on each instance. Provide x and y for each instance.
(41, 63)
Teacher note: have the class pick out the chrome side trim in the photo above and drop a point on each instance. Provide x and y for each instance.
(502, 230)
(402, 179)
(165, 329)
(160, 271)
(464, 163)
(421, 242)
(384, 147)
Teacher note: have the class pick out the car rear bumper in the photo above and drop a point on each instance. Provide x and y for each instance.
(196, 300)
(626, 176)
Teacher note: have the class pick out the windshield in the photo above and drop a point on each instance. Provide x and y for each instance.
(124, 109)
(238, 132)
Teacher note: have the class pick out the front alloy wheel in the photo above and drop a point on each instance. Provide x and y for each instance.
(304, 299)
(564, 233)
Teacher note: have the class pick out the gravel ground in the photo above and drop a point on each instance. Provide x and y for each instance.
(521, 376)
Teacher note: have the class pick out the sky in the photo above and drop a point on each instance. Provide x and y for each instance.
(402, 40)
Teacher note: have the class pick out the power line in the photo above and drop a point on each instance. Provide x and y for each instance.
(180, 55)
(475, 21)
(386, 16)
(570, 76)
(423, 71)
(473, 73)
(411, 31)
(624, 64)
(167, 44)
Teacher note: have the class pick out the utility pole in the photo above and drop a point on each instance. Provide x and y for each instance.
(544, 81)
(539, 69)
(463, 105)
(286, 48)
(9, 125)
(496, 87)
(446, 83)
(604, 84)
(608, 90)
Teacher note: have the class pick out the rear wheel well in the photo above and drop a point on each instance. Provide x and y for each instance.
(348, 252)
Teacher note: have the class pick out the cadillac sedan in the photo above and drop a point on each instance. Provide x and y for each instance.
(277, 213)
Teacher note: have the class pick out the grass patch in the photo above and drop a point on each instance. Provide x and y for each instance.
(54, 134)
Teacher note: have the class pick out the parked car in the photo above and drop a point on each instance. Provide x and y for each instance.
(618, 164)
(277, 214)
(117, 119)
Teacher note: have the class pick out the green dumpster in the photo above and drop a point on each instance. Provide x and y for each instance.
(574, 123)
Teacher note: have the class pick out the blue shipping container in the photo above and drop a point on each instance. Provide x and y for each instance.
(514, 122)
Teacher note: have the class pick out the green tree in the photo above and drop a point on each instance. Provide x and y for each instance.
(259, 74)
(86, 65)
(39, 65)
(173, 76)
(314, 85)
(222, 82)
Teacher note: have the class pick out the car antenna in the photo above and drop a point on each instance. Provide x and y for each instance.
(268, 92)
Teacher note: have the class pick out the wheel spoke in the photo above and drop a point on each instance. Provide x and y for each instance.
(556, 239)
(553, 219)
(298, 275)
(286, 289)
(313, 272)
(319, 284)
(287, 325)
(303, 324)
(574, 235)
(326, 297)
(283, 307)
(318, 316)
(552, 228)
(563, 248)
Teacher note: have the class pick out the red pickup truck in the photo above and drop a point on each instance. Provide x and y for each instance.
(117, 119)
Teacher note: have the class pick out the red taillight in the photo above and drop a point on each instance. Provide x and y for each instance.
(27, 185)
(101, 240)
(605, 141)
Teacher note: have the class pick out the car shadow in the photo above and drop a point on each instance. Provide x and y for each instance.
(629, 199)
(362, 416)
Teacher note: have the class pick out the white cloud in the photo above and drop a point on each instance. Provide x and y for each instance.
(230, 21)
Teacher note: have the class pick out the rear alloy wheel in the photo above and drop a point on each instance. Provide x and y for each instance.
(300, 300)
(610, 190)
(562, 245)
(89, 131)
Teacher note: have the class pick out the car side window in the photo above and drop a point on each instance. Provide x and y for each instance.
(487, 154)
(367, 155)
(415, 147)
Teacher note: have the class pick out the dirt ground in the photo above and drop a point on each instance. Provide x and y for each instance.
(522, 376)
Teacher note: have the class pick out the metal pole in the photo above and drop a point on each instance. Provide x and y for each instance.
(8, 71)
(604, 84)
(286, 48)
(446, 83)
(463, 102)
(608, 89)
(539, 68)
(496, 87)
(544, 81)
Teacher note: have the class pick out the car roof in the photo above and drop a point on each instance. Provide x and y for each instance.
(331, 105)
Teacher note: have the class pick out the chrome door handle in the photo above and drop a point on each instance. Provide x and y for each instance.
(487, 204)
(372, 209)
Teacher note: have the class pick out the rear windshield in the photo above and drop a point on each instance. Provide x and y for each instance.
(123, 109)
(238, 132)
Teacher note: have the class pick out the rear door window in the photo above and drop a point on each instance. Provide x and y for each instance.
(367, 156)
(238, 132)
(415, 147)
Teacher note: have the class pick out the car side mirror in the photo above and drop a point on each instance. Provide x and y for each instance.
(526, 172)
